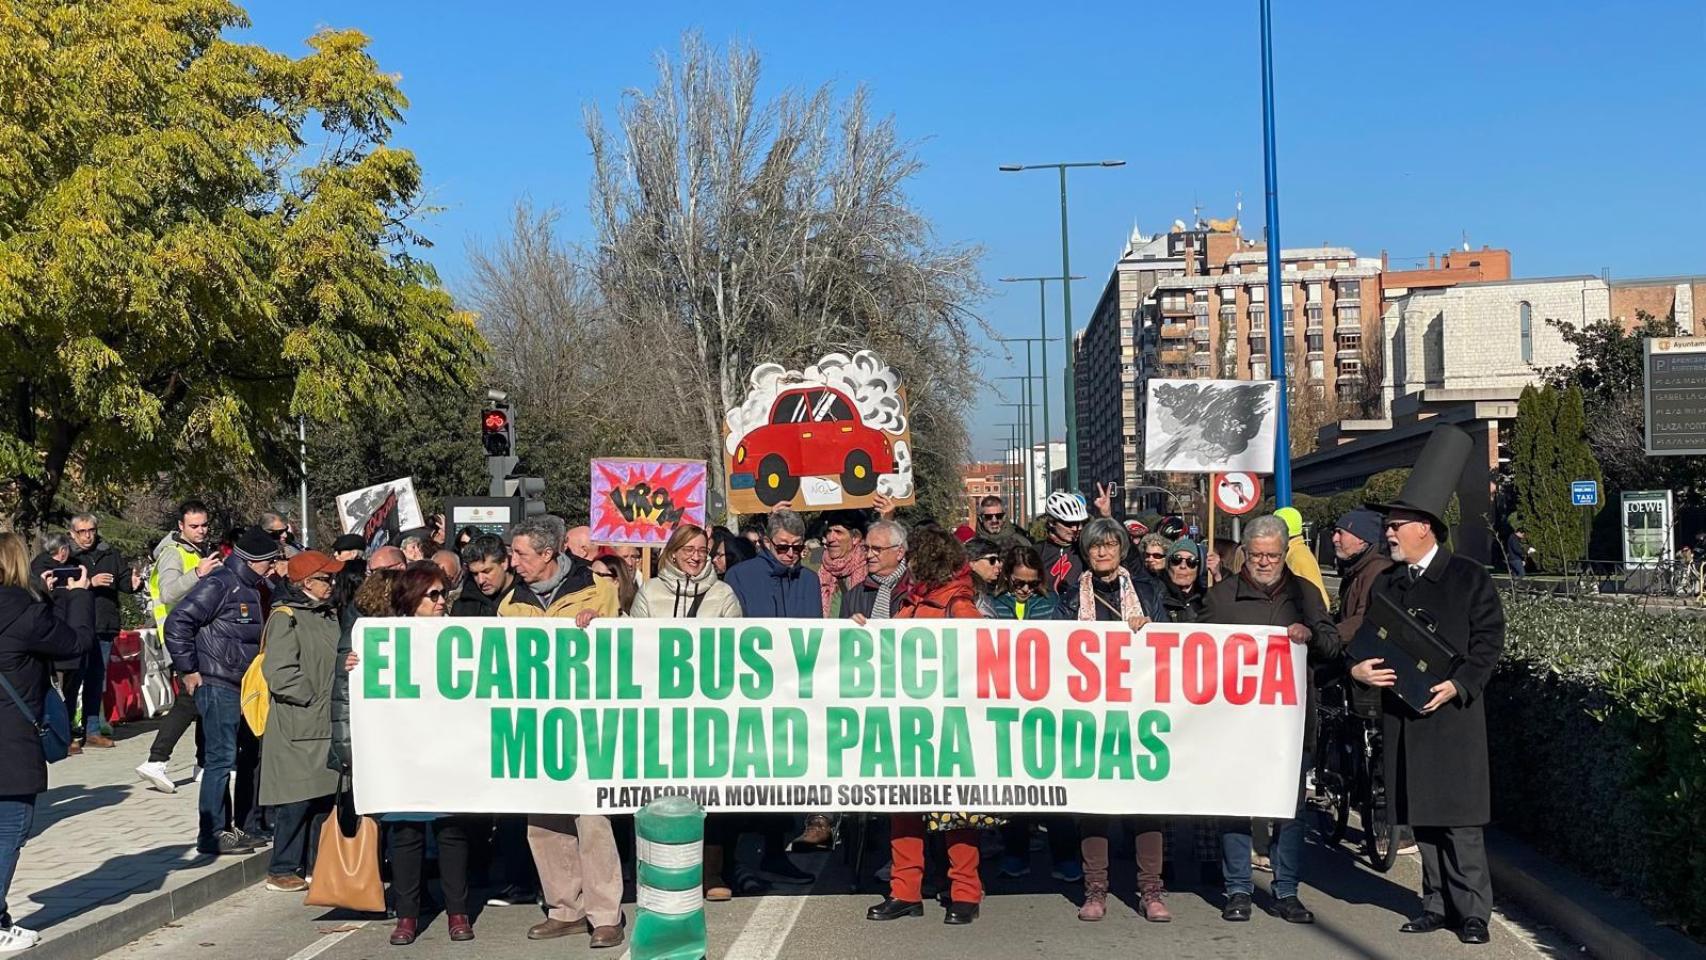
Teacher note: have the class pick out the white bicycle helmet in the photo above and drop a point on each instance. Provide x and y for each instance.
(1067, 507)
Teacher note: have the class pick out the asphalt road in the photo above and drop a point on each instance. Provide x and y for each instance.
(1358, 914)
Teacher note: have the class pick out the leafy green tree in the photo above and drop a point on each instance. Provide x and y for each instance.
(1549, 450)
(185, 265)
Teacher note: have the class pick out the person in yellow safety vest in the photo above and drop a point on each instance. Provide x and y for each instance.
(181, 559)
(1299, 559)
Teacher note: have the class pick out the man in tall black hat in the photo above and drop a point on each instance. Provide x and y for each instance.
(1436, 760)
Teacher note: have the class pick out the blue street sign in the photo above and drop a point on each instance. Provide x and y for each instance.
(1584, 493)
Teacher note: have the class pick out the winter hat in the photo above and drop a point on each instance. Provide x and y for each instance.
(310, 562)
(349, 541)
(1186, 545)
(253, 545)
(1293, 520)
(964, 532)
(1362, 523)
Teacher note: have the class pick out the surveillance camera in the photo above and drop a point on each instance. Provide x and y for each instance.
(496, 396)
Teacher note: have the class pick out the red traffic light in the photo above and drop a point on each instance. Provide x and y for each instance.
(496, 421)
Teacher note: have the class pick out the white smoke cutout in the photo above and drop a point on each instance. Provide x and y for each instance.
(870, 383)
(899, 483)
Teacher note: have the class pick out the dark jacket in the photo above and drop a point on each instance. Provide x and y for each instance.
(1355, 584)
(472, 603)
(216, 629)
(861, 596)
(1009, 537)
(1236, 600)
(32, 637)
(60, 598)
(102, 558)
(768, 589)
(1147, 588)
(340, 757)
(1436, 766)
(1061, 565)
(302, 638)
(1041, 606)
(1183, 607)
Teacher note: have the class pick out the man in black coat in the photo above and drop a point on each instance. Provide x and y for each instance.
(1265, 593)
(1436, 761)
(109, 575)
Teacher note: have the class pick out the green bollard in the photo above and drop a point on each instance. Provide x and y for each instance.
(670, 848)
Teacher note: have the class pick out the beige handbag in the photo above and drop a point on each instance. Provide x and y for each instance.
(346, 870)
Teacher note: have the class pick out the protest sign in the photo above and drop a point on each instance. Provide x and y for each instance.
(639, 502)
(537, 716)
(380, 512)
(1210, 426)
(830, 436)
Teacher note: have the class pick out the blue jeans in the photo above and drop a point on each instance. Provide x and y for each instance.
(1286, 852)
(220, 714)
(95, 683)
(17, 813)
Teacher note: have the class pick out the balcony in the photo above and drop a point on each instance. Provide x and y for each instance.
(1349, 353)
(1348, 324)
(1175, 357)
(1175, 308)
(1200, 334)
(1199, 308)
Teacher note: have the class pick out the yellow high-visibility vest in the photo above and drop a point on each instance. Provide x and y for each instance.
(190, 559)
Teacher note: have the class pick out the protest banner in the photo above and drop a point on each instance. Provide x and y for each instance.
(537, 716)
(638, 502)
(1210, 426)
(831, 436)
(380, 512)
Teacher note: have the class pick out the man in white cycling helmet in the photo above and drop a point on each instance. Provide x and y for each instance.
(1062, 562)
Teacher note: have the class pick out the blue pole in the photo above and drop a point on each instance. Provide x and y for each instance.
(1281, 347)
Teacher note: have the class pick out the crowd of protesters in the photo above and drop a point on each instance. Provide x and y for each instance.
(216, 602)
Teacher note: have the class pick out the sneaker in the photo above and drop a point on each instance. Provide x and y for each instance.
(1069, 871)
(223, 844)
(286, 883)
(13, 939)
(155, 773)
(512, 896)
(1014, 867)
(254, 840)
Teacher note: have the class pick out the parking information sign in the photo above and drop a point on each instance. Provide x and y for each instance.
(1584, 493)
(1676, 396)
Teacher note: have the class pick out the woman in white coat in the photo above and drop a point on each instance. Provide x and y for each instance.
(686, 584)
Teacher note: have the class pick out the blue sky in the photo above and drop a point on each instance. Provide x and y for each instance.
(1570, 132)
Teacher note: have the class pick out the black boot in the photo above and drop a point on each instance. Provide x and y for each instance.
(892, 909)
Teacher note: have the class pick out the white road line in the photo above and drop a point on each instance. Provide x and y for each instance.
(326, 942)
(767, 929)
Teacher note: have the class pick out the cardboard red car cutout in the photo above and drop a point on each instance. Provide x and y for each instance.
(813, 432)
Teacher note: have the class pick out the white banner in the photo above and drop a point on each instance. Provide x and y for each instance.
(477, 715)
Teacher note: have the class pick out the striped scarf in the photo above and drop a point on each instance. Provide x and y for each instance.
(883, 608)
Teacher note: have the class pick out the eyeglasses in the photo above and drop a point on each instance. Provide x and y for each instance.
(436, 593)
(1395, 524)
(873, 548)
(787, 547)
(321, 578)
(1267, 557)
(79, 531)
(1190, 562)
(1154, 556)
(694, 552)
(995, 516)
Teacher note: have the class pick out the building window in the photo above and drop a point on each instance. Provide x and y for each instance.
(1526, 320)
(1314, 342)
(1350, 289)
(1313, 311)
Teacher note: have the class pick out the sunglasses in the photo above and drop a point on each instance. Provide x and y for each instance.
(322, 578)
(1190, 562)
(436, 593)
(787, 547)
(279, 533)
(1025, 584)
(989, 558)
(995, 516)
(1395, 524)
(1154, 556)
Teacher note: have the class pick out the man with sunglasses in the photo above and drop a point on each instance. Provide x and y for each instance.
(279, 529)
(993, 525)
(1436, 760)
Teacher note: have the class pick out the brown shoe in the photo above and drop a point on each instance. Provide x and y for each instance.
(96, 740)
(549, 929)
(818, 835)
(286, 883)
(74, 748)
(718, 894)
(1095, 903)
(716, 889)
(1154, 910)
(607, 936)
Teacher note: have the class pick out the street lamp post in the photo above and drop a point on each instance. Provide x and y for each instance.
(1030, 406)
(1043, 339)
(1276, 304)
(1019, 441)
(1066, 302)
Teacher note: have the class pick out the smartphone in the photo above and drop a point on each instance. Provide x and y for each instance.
(62, 575)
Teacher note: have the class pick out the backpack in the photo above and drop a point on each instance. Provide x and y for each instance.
(255, 699)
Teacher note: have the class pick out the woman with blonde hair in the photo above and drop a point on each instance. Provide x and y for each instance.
(686, 584)
(32, 637)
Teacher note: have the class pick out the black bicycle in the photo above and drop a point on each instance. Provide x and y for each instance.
(1349, 773)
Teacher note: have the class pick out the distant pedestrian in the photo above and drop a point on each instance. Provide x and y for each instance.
(109, 576)
(1517, 553)
(180, 560)
(32, 636)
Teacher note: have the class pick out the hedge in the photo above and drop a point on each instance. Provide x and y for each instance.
(1597, 731)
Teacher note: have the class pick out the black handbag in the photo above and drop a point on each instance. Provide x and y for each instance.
(1406, 641)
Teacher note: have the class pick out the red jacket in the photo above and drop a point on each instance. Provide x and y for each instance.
(954, 600)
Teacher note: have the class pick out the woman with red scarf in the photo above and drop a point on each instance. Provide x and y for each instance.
(941, 589)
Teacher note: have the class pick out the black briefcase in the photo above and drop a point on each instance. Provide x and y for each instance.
(1405, 639)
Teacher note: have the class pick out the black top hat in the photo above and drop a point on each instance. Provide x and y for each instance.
(1436, 476)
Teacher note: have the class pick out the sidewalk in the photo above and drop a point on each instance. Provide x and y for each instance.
(112, 858)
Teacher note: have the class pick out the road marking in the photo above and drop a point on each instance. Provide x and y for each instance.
(768, 928)
(326, 942)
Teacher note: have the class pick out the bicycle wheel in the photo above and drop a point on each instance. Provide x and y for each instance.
(1332, 801)
(1379, 833)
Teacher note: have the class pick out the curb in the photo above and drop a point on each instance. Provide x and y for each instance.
(151, 912)
(1607, 926)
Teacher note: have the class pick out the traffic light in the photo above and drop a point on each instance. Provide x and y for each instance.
(497, 430)
(531, 490)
